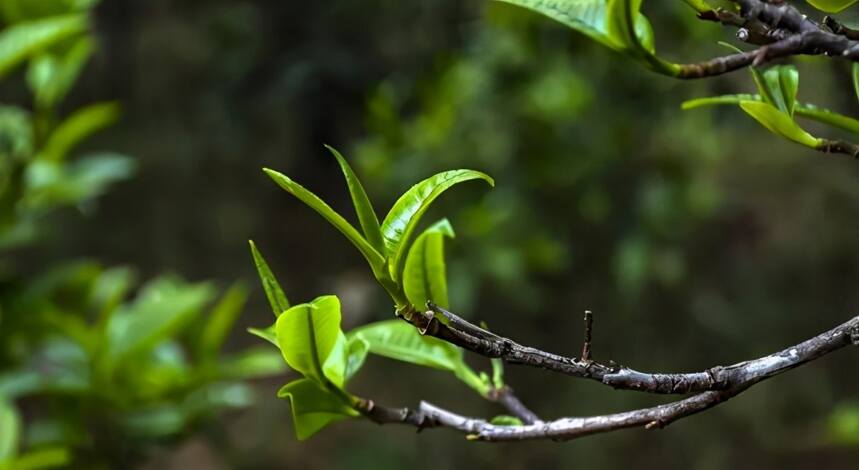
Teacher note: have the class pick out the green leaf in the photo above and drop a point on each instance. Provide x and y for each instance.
(313, 407)
(20, 41)
(373, 257)
(357, 350)
(80, 125)
(273, 292)
(404, 216)
(778, 86)
(49, 457)
(51, 76)
(803, 110)
(855, 70)
(505, 420)
(424, 273)
(269, 334)
(162, 308)
(779, 123)
(10, 430)
(601, 20)
(363, 206)
(307, 334)
(831, 6)
(217, 326)
(396, 339)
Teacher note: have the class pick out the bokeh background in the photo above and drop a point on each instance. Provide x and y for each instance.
(696, 237)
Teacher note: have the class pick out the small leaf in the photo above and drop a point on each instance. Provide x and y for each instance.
(396, 339)
(45, 457)
(424, 275)
(21, 40)
(404, 216)
(269, 334)
(363, 206)
(831, 6)
(80, 125)
(357, 350)
(779, 123)
(217, 326)
(51, 76)
(855, 70)
(716, 100)
(307, 334)
(313, 407)
(373, 257)
(10, 430)
(276, 298)
(778, 86)
(505, 420)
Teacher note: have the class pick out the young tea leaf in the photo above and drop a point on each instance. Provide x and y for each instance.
(273, 292)
(269, 334)
(404, 216)
(373, 257)
(424, 275)
(363, 207)
(313, 407)
(779, 123)
(308, 333)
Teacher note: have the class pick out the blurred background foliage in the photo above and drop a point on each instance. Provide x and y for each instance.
(696, 237)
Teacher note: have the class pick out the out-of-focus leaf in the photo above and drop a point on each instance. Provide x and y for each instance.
(19, 41)
(48, 457)
(16, 133)
(217, 325)
(363, 207)
(51, 183)
(373, 257)
(253, 363)
(313, 407)
(273, 292)
(424, 276)
(307, 334)
(51, 76)
(163, 307)
(831, 6)
(81, 124)
(779, 123)
(404, 216)
(10, 430)
(844, 425)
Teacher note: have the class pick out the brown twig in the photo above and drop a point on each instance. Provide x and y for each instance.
(747, 373)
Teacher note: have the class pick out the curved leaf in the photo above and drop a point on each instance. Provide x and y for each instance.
(855, 70)
(313, 407)
(10, 429)
(424, 273)
(307, 334)
(396, 339)
(80, 125)
(356, 351)
(363, 207)
(407, 211)
(779, 123)
(273, 292)
(717, 100)
(269, 334)
(831, 6)
(21, 40)
(778, 86)
(595, 18)
(373, 257)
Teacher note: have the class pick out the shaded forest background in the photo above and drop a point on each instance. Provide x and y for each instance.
(696, 237)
